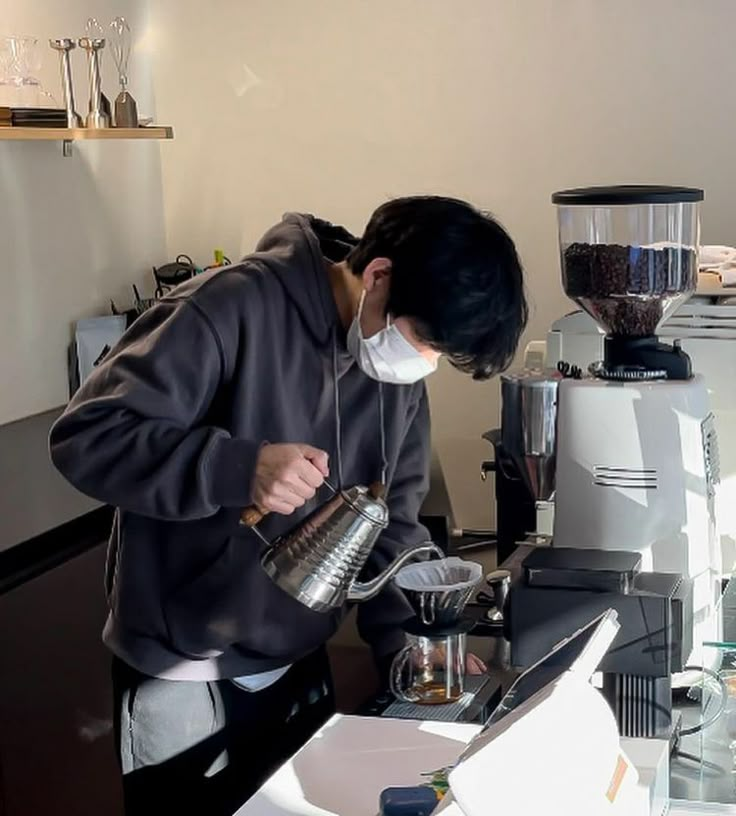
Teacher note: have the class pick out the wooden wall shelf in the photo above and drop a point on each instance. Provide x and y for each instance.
(68, 135)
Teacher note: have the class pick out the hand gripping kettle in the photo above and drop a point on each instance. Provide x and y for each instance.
(318, 562)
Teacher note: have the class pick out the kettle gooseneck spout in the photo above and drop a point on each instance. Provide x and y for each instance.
(364, 591)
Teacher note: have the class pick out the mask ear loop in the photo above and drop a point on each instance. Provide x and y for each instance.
(361, 303)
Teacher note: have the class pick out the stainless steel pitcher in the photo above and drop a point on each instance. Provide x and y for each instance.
(529, 427)
(318, 562)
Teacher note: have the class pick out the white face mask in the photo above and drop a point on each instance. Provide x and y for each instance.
(387, 356)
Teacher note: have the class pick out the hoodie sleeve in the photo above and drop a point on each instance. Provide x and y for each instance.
(135, 435)
(380, 619)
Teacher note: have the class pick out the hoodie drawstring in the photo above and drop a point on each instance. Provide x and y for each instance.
(384, 461)
(338, 423)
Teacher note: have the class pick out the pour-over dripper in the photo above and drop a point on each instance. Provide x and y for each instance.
(439, 591)
(629, 253)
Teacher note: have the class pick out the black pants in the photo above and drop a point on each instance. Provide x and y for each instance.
(206, 747)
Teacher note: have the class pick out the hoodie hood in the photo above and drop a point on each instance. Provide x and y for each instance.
(303, 245)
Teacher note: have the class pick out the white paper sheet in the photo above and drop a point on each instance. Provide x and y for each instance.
(342, 770)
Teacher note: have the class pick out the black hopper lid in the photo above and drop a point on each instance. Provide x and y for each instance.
(627, 194)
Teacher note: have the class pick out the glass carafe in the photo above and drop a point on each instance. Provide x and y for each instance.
(430, 670)
(20, 61)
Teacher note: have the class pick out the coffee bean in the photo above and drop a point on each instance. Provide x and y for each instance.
(627, 287)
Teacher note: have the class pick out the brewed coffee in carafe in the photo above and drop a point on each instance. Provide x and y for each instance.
(430, 670)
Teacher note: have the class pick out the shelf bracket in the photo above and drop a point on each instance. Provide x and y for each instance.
(66, 148)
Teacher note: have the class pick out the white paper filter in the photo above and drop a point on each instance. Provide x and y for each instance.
(437, 576)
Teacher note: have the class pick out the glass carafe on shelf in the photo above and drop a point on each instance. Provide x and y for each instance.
(20, 61)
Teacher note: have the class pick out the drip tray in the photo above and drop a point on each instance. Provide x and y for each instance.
(476, 705)
(440, 713)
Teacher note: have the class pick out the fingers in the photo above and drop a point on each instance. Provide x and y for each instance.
(282, 499)
(287, 476)
(318, 458)
(272, 505)
(309, 474)
(305, 477)
(474, 665)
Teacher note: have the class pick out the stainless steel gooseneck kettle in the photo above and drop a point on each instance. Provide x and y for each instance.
(318, 562)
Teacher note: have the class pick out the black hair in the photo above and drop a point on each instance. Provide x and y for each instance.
(455, 273)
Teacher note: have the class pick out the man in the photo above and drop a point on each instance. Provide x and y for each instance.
(253, 384)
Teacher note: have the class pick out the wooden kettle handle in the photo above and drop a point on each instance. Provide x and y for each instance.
(252, 516)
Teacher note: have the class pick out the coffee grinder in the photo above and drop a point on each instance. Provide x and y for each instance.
(636, 450)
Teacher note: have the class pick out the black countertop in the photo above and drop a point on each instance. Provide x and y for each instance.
(34, 497)
(44, 521)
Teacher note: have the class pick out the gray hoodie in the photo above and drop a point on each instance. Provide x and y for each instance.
(168, 430)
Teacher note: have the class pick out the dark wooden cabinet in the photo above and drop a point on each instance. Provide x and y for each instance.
(56, 739)
(56, 743)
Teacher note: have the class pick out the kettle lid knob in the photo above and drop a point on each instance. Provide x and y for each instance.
(368, 503)
(377, 490)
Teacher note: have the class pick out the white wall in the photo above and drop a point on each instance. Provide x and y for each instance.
(77, 231)
(332, 107)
